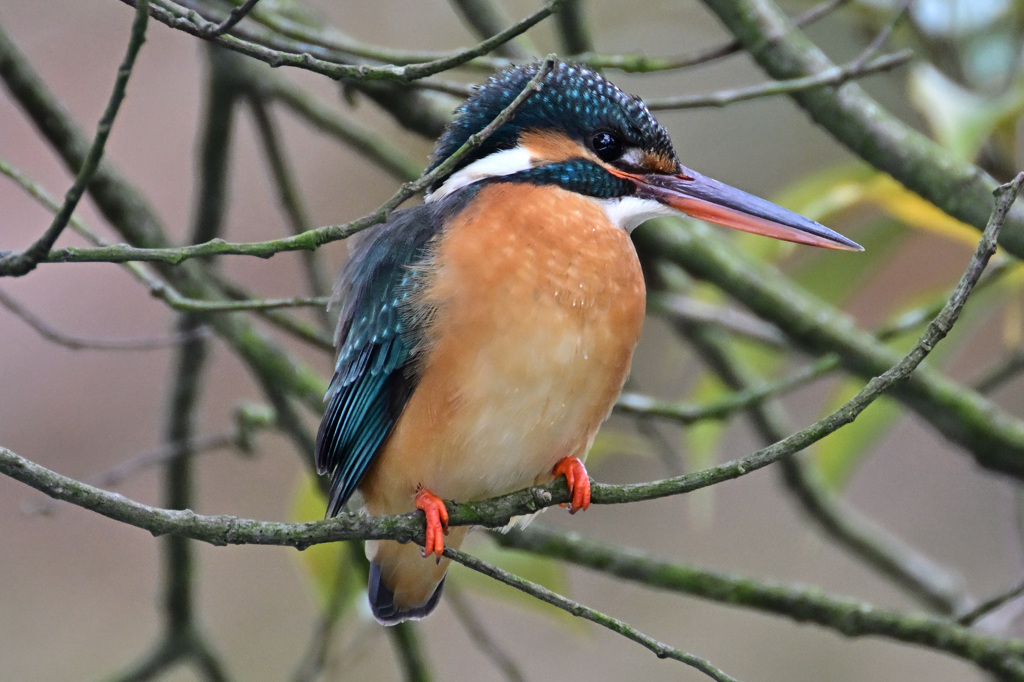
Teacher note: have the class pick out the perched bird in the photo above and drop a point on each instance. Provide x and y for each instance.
(485, 334)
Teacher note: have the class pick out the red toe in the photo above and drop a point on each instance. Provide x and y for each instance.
(578, 481)
(437, 522)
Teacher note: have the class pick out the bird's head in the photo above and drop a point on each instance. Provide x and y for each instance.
(583, 134)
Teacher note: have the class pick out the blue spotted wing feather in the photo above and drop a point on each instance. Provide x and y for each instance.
(377, 335)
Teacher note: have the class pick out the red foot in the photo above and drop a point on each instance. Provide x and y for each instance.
(578, 481)
(437, 521)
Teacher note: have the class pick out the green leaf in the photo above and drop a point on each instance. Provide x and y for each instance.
(613, 441)
(703, 439)
(333, 575)
(832, 191)
(838, 456)
(960, 119)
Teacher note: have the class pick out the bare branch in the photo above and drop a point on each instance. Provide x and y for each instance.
(20, 263)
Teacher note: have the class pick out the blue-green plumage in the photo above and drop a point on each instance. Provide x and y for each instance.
(379, 329)
(579, 175)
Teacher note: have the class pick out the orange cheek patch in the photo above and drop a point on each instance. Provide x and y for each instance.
(548, 146)
(659, 163)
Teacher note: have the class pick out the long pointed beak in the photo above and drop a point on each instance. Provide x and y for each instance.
(701, 197)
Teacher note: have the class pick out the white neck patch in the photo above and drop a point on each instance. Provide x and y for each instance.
(505, 162)
(628, 212)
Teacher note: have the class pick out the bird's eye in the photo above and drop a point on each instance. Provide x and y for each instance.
(606, 146)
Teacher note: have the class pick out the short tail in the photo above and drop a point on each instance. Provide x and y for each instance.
(382, 601)
(403, 584)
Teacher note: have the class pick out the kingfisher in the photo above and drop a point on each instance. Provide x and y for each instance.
(484, 335)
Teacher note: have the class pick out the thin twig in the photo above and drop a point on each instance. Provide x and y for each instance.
(23, 262)
(573, 32)
(989, 605)
(883, 36)
(833, 77)
(298, 327)
(236, 15)
(1006, 369)
(542, 593)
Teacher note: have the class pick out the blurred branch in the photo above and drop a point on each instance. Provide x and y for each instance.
(314, 663)
(20, 263)
(296, 326)
(682, 313)
(845, 616)
(371, 145)
(638, 63)
(476, 631)
(183, 635)
(573, 33)
(410, 652)
(678, 306)
(580, 611)
(487, 19)
(249, 420)
(75, 342)
(750, 396)
(833, 77)
(957, 187)
(291, 200)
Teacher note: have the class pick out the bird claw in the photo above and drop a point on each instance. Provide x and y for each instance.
(436, 513)
(577, 480)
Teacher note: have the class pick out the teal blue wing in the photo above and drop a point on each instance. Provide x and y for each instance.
(377, 334)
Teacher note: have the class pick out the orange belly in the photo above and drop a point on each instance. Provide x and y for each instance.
(538, 309)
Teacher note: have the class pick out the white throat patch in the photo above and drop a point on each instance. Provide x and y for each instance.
(629, 212)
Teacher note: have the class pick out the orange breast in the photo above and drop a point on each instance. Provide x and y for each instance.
(540, 302)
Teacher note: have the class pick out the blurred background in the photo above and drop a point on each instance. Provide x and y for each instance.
(80, 596)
